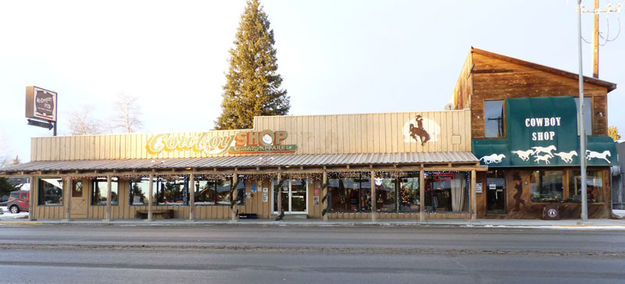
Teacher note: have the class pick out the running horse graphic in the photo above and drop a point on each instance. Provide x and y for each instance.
(424, 136)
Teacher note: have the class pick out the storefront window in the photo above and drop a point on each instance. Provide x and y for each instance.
(594, 186)
(349, 194)
(217, 191)
(139, 191)
(446, 192)
(50, 191)
(409, 194)
(171, 192)
(493, 118)
(205, 192)
(546, 186)
(99, 192)
(385, 193)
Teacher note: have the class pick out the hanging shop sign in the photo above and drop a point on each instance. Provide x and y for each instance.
(250, 142)
(542, 132)
(41, 103)
(444, 176)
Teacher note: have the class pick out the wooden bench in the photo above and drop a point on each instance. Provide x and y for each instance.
(156, 213)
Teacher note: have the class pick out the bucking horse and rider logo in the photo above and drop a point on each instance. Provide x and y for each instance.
(421, 130)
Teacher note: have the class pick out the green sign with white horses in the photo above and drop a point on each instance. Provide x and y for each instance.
(542, 132)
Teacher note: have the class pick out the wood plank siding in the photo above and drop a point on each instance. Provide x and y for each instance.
(490, 76)
(313, 134)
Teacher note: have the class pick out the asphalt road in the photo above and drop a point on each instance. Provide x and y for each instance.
(294, 254)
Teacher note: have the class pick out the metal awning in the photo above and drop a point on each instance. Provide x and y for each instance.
(256, 161)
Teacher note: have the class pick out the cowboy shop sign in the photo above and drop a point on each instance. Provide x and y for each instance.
(214, 143)
(542, 132)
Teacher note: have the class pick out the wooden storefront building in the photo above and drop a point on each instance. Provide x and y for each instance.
(524, 127)
(413, 165)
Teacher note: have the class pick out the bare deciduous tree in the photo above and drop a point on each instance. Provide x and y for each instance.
(127, 114)
(82, 123)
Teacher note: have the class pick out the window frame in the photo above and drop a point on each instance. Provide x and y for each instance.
(146, 195)
(95, 181)
(160, 191)
(363, 193)
(216, 182)
(539, 185)
(40, 188)
(503, 119)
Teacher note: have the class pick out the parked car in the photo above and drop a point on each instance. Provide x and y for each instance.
(18, 201)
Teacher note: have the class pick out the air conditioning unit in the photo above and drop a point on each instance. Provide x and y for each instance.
(551, 212)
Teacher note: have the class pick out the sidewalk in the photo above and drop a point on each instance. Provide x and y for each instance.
(593, 224)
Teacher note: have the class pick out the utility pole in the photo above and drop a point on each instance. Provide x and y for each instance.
(595, 36)
(582, 132)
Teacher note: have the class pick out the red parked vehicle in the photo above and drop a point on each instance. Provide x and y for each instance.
(18, 201)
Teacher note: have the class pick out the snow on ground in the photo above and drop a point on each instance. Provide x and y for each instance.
(6, 215)
(620, 213)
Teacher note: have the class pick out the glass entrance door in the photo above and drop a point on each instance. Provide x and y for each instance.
(495, 192)
(293, 198)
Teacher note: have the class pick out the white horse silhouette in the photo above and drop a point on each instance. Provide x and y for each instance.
(602, 155)
(524, 155)
(546, 150)
(567, 157)
(493, 158)
(543, 158)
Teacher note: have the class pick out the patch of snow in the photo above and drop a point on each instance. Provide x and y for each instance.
(5, 214)
(620, 213)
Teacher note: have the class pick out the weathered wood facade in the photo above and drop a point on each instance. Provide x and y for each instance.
(357, 135)
(491, 76)
(487, 76)
(314, 134)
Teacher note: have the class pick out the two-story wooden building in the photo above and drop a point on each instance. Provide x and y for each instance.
(524, 127)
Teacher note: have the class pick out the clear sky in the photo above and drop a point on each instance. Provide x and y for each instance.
(334, 56)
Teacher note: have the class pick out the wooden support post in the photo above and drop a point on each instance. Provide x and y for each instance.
(374, 213)
(422, 196)
(108, 198)
(191, 197)
(324, 193)
(473, 197)
(150, 187)
(279, 199)
(32, 198)
(234, 196)
(67, 184)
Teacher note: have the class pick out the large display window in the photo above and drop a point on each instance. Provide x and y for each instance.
(546, 186)
(99, 191)
(349, 192)
(50, 191)
(446, 192)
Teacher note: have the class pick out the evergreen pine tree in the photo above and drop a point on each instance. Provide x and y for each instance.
(253, 83)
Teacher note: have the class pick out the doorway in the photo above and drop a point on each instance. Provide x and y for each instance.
(495, 192)
(78, 204)
(293, 198)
